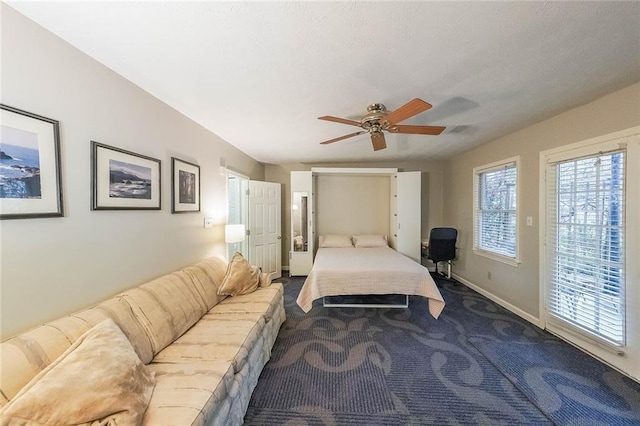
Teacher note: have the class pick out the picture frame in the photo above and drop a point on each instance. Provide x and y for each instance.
(185, 186)
(124, 180)
(30, 165)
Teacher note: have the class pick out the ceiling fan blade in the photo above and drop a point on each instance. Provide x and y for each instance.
(342, 137)
(407, 110)
(378, 141)
(417, 130)
(339, 120)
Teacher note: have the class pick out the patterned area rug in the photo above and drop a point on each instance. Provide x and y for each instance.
(474, 365)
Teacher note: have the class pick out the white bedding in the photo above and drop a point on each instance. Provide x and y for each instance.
(374, 270)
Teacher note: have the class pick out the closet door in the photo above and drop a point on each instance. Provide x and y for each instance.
(408, 214)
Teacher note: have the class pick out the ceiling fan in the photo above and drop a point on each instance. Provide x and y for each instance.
(378, 119)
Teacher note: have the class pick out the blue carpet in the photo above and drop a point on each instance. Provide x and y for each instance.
(310, 369)
(474, 365)
(567, 386)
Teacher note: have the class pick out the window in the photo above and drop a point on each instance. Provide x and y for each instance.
(495, 227)
(585, 243)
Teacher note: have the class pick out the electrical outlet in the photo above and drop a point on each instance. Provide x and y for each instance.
(208, 222)
(489, 275)
(529, 221)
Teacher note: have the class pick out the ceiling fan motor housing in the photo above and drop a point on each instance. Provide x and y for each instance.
(372, 119)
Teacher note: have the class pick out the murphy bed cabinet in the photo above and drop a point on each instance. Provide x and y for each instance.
(404, 203)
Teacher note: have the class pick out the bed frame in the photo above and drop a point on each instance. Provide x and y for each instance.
(366, 305)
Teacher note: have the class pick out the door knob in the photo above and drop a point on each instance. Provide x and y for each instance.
(279, 237)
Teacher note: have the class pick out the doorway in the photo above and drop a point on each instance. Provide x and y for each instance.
(257, 206)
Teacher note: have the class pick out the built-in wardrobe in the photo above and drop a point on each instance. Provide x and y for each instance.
(352, 201)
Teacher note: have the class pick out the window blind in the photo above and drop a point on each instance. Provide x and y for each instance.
(495, 193)
(585, 245)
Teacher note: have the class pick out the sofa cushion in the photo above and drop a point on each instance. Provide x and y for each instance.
(189, 393)
(241, 277)
(207, 277)
(98, 378)
(120, 311)
(264, 301)
(166, 307)
(226, 338)
(24, 356)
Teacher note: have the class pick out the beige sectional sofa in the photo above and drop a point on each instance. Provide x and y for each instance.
(205, 351)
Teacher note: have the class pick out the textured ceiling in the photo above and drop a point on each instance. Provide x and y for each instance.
(258, 74)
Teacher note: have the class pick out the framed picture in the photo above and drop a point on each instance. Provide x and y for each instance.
(123, 180)
(185, 186)
(30, 178)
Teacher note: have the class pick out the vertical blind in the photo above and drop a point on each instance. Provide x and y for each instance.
(585, 245)
(495, 210)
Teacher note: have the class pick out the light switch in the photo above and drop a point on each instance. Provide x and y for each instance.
(529, 221)
(208, 222)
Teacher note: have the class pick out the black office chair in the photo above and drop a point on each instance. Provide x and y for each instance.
(442, 247)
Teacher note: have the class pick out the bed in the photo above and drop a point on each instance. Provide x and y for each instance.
(341, 271)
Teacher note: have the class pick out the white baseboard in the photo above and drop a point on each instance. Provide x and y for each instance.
(519, 312)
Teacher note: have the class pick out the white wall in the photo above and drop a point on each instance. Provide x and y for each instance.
(55, 266)
(518, 286)
(351, 205)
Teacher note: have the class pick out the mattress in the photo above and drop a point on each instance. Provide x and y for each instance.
(371, 270)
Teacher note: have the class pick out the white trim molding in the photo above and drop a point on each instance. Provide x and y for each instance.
(508, 306)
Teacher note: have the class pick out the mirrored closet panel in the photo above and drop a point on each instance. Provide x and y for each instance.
(300, 221)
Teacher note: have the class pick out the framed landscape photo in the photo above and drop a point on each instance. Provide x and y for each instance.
(30, 177)
(185, 186)
(123, 180)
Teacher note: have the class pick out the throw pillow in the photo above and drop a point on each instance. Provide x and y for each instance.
(241, 277)
(98, 379)
(370, 240)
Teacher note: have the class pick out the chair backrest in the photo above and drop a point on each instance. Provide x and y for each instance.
(442, 244)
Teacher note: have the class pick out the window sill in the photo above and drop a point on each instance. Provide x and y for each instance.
(499, 258)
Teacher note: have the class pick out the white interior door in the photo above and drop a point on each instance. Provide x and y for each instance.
(408, 211)
(265, 248)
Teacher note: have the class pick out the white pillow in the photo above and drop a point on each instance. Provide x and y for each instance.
(372, 240)
(335, 241)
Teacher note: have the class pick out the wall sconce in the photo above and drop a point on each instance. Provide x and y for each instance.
(234, 233)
